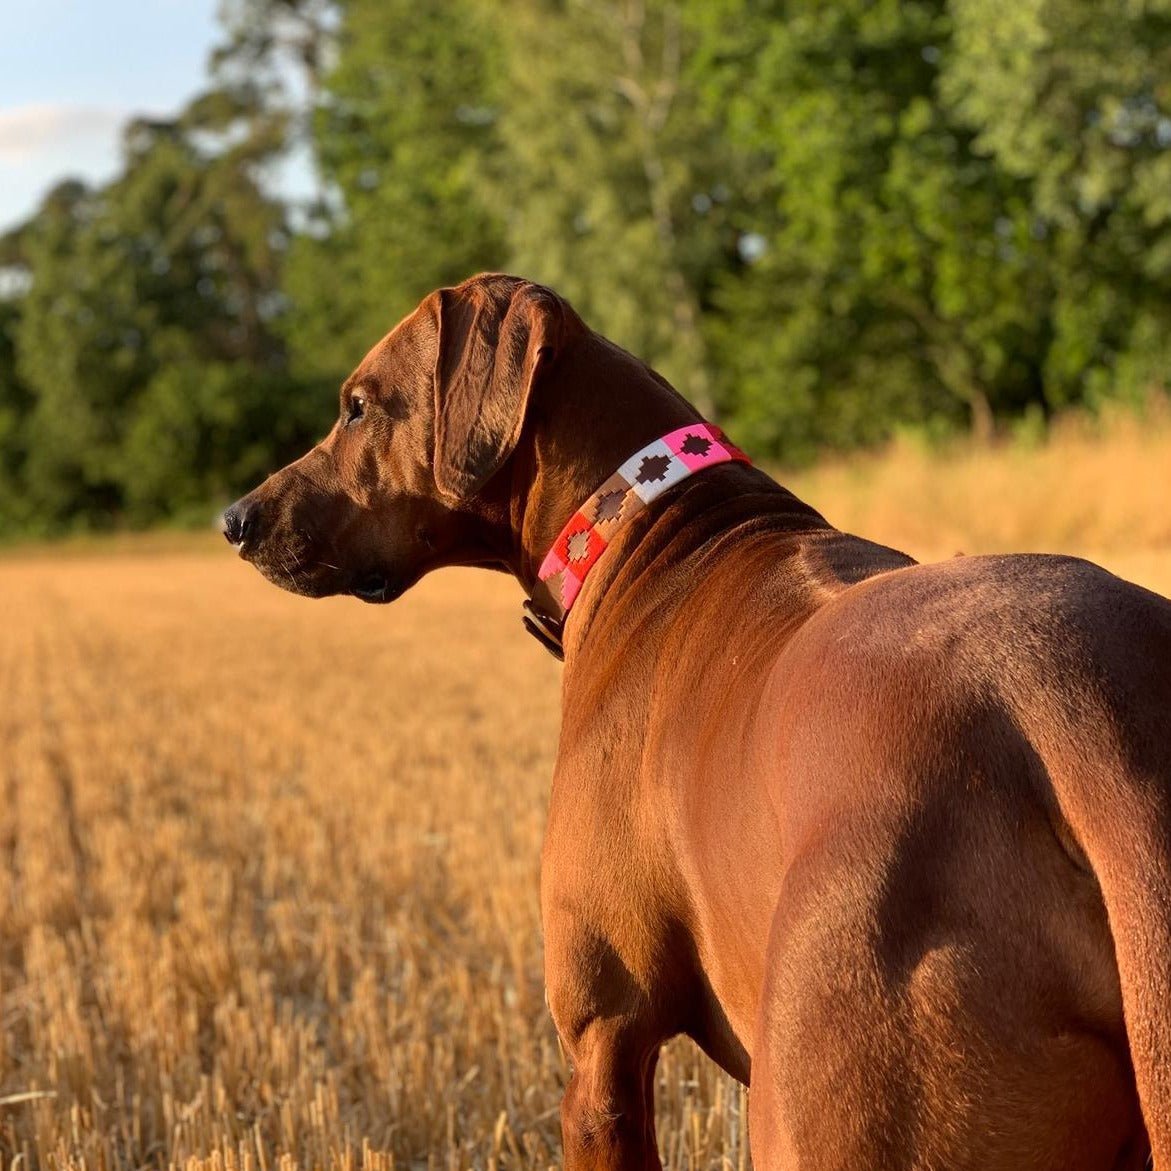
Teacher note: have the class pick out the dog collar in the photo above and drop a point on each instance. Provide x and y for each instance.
(645, 476)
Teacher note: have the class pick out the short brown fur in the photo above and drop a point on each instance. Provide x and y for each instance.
(893, 841)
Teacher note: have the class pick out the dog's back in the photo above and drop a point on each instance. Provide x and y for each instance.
(974, 925)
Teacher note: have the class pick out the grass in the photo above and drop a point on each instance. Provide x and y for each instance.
(268, 868)
(1096, 488)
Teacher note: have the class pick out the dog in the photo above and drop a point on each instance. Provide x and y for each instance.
(891, 842)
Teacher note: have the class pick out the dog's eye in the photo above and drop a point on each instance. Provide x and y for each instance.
(356, 409)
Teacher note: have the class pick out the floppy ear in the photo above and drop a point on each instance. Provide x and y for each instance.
(492, 347)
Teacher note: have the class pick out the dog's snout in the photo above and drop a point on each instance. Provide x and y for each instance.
(241, 523)
(233, 525)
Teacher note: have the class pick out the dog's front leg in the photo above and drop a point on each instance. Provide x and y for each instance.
(611, 1032)
(608, 1111)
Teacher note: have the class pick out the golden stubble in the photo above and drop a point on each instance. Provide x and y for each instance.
(268, 877)
(268, 867)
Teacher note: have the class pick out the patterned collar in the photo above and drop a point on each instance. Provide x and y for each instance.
(643, 477)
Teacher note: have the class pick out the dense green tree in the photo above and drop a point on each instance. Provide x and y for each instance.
(615, 183)
(1074, 99)
(172, 267)
(896, 276)
(962, 211)
(65, 348)
(15, 401)
(406, 120)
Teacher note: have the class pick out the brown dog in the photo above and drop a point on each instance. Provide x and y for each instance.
(894, 838)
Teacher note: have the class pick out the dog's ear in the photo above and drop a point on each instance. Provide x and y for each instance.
(494, 341)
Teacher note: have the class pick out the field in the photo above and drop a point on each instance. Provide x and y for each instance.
(268, 868)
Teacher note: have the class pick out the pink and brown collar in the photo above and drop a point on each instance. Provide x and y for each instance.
(643, 477)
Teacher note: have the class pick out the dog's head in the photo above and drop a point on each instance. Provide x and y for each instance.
(400, 485)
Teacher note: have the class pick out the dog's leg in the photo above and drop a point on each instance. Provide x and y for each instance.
(903, 1023)
(607, 1113)
(611, 1034)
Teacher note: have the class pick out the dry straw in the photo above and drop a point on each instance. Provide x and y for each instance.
(268, 868)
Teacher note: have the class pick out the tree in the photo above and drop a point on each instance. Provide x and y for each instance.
(1073, 98)
(174, 266)
(14, 405)
(962, 213)
(895, 274)
(614, 182)
(406, 119)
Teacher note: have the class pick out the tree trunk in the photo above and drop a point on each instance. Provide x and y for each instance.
(652, 106)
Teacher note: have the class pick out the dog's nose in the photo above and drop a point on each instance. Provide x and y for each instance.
(241, 522)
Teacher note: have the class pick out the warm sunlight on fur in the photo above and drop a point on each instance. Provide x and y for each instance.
(269, 875)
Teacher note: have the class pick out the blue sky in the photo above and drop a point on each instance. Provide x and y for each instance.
(72, 71)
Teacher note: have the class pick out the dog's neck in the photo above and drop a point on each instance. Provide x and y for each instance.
(580, 429)
(596, 407)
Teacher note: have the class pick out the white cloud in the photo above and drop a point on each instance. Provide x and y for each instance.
(28, 133)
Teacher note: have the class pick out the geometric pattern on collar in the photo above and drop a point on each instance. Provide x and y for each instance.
(643, 477)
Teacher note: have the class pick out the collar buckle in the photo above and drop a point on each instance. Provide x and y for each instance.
(545, 629)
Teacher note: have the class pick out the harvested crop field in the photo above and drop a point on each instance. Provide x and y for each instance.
(268, 871)
(268, 877)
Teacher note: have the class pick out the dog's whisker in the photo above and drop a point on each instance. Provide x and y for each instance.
(289, 570)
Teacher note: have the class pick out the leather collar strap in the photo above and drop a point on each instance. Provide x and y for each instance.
(643, 477)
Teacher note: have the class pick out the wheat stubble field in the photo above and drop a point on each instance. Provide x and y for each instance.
(268, 867)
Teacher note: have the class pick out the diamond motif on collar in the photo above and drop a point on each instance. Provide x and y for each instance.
(644, 477)
(652, 469)
(578, 546)
(609, 506)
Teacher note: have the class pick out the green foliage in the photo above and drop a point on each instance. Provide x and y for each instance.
(137, 291)
(824, 223)
(624, 181)
(404, 126)
(1074, 99)
(15, 402)
(202, 429)
(900, 279)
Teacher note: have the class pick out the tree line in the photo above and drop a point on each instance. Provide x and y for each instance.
(821, 221)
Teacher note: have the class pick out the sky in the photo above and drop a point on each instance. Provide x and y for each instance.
(73, 71)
